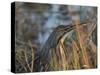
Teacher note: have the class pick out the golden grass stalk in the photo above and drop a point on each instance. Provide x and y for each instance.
(83, 48)
(76, 63)
(63, 56)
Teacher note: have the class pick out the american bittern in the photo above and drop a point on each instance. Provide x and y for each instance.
(54, 49)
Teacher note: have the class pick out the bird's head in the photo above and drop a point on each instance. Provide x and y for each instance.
(64, 28)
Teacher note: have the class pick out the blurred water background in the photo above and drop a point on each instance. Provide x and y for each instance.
(36, 21)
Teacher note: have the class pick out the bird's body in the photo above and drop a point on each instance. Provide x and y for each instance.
(53, 41)
(54, 46)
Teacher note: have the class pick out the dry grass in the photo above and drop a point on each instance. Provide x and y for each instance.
(82, 53)
(25, 58)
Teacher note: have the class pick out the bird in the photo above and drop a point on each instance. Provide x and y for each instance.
(54, 44)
